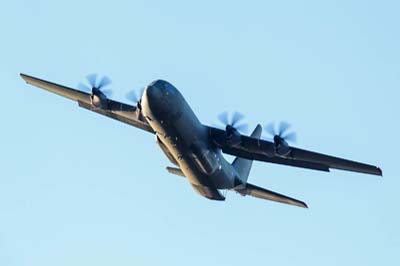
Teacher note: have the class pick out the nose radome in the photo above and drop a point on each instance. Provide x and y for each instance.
(159, 83)
(158, 98)
(149, 91)
(152, 95)
(158, 89)
(154, 88)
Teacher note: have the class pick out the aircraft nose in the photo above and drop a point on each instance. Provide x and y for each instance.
(152, 92)
(153, 96)
(158, 99)
(155, 90)
(149, 92)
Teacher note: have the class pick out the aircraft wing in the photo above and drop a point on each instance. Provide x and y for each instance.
(263, 150)
(116, 110)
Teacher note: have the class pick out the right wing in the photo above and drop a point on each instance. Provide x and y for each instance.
(263, 150)
(263, 193)
(116, 110)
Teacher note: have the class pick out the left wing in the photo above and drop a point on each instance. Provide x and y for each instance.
(263, 150)
(119, 111)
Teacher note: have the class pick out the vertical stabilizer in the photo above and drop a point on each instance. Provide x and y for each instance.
(242, 165)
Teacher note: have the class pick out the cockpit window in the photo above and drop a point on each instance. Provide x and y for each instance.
(163, 86)
(169, 88)
(158, 84)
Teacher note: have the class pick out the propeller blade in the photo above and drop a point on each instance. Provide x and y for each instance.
(242, 127)
(236, 118)
(131, 96)
(104, 82)
(92, 78)
(83, 87)
(270, 128)
(292, 137)
(141, 92)
(223, 118)
(234, 122)
(108, 93)
(282, 132)
(283, 127)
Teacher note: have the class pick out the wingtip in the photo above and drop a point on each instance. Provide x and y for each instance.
(303, 205)
(299, 203)
(23, 76)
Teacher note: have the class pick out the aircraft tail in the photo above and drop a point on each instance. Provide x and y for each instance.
(242, 165)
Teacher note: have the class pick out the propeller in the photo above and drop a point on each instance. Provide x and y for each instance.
(133, 96)
(233, 122)
(95, 86)
(282, 132)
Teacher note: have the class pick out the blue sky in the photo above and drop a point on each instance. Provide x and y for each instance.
(80, 189)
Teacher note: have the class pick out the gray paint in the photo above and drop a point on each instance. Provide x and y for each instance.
(197, 149)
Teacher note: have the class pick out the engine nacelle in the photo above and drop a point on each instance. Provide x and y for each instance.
(99, 100)
(233, 137)
(281, 147)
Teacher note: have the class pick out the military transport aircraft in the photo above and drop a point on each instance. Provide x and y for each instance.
(195, 149)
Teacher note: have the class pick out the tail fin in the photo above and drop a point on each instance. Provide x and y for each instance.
(242, 165)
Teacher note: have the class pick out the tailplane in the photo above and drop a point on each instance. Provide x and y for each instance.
(263, 193)
(242, 165)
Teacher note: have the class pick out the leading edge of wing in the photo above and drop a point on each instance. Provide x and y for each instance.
(61, 90)
(334, 162)
(116, 110)
(263, 150)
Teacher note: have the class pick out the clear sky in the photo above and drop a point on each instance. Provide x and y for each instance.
(80, 189)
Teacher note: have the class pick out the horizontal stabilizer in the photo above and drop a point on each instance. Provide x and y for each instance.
(263, 193)
(175, 171)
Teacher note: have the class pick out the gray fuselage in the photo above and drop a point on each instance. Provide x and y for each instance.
(185, 138)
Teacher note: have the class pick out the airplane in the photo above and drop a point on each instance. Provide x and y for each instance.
(196, 150)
